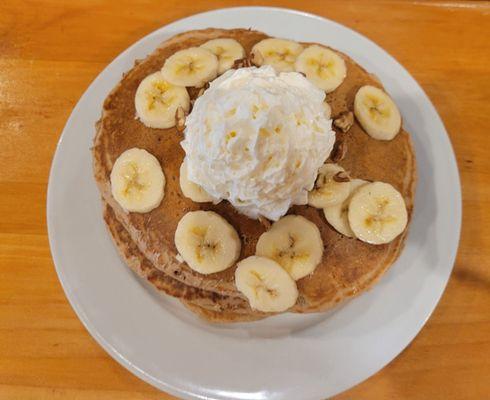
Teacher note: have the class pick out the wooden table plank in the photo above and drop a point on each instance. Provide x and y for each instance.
(50, 51)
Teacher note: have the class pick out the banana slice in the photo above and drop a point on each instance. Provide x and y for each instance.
(207, 242)
(156, 101)
(265, 284)
(137, 181)
(192, 190)
(194, 66)
(337, 215)
(377, 113)
(377, 213)
(279, 53)
(294, 243)
(328, 191)
(323, 67)
(227, 50)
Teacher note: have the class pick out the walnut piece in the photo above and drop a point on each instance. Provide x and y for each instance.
(242, 63)
(344, 121)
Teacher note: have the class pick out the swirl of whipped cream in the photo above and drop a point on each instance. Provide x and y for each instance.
(257, 139)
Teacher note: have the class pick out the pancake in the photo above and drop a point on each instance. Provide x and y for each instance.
(224, 316)
(348, 266)
(209, 305)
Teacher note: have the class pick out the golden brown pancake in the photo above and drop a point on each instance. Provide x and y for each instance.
(209, 305)
(348, 267)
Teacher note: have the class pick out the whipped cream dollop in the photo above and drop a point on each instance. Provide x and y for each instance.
(257, 139)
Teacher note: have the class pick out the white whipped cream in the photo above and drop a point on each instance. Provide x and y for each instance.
(257, 139)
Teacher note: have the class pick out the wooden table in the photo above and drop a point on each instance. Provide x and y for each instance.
(49, 53)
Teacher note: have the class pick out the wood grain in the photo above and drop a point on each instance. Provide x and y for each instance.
(49, 53)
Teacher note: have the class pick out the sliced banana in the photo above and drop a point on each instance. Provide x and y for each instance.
(227, 50)
(194, 66)
(156, 101)
(377, 113)
(265, 284)
(293, 242)
(337, 215)
(190, 189)
(137, 181)
(207, 242)
(327, 191)
(279, 53)
(323, 67)
(377, 213)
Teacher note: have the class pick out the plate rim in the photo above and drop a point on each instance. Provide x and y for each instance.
(68, 291)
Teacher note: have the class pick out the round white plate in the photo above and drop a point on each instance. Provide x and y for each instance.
(286, 357)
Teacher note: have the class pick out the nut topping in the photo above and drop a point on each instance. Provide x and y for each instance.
(242, 63)
(344, 121)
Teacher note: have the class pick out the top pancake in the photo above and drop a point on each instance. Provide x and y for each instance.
(348, 265)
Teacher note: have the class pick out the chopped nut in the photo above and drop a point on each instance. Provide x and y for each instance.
(180, 119)
(242, 63)
(256, 58)
(265, 222)
(339, 151)
(238, 63)
(344, 121)
(341, 176)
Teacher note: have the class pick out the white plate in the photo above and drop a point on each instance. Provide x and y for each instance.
(286, 357)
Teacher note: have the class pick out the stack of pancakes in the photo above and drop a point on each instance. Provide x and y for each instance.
(146, 241)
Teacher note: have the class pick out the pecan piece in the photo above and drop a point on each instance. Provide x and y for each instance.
(242, 63)
(344, 121)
